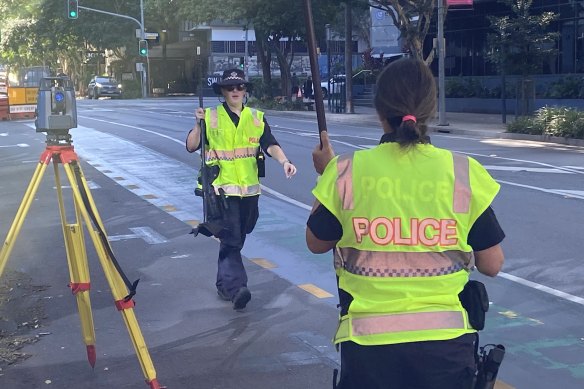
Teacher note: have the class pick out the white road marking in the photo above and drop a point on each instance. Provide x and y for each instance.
(543, 288)
(527, 169)
(560, 192)
(567, 169)
(90, 184)
(16, 145)
(145, 233)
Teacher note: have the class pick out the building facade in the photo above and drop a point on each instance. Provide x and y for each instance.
(466, 30)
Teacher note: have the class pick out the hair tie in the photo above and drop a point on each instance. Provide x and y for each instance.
(409, 117)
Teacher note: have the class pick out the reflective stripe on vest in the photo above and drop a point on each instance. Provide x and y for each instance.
(401, 264)
(214, 120)
(256, 119)
(462, 190)
(399, 322)
(345, 180)
(234, 190)
(230, 155)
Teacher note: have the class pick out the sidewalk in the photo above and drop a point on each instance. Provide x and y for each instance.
(489, 125)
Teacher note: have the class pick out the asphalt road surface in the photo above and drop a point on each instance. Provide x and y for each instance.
(142, 180)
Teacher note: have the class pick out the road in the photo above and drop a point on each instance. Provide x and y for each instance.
(142, 180)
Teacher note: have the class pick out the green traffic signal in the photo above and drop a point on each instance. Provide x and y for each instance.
(72, 9)
(143, 48)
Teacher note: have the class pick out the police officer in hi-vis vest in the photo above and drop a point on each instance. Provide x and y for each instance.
(408, 222)
(235, 135)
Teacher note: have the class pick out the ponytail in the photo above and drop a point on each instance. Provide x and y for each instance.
(407, 131)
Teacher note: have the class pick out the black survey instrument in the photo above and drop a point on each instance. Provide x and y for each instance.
(213, 204)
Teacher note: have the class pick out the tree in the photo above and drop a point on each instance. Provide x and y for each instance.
(413, 19)
(519, 44)
(271, 25)
(38, 32)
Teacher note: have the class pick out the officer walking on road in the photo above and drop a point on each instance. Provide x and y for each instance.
(237, 136)
(408, 222)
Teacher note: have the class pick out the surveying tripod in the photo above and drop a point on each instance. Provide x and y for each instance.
(59, 149)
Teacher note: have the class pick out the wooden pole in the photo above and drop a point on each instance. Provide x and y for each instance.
(318, 98)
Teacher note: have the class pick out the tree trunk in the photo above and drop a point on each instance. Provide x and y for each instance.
(264, 59)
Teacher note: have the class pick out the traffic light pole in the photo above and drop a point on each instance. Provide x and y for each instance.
(142, 35)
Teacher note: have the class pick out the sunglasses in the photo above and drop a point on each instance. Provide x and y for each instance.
(231, 88)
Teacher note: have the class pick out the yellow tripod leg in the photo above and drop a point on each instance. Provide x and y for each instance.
(31, 191)
(114, 279)
(78, 270)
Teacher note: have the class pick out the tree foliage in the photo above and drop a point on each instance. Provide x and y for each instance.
(274, 21)
(413, 20)
(520, 42)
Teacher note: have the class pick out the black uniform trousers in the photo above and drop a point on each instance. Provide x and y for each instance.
(240, 219)
(446, 364)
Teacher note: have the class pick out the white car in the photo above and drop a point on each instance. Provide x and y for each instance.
(335, 83)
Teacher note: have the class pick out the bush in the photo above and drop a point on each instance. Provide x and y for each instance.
(552, 121)
(467, 87)
(525, 125)
(569, 87)
(131, 89)
(276, 104)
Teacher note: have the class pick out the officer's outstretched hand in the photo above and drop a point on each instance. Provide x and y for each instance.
(321, 157)
(289, 169)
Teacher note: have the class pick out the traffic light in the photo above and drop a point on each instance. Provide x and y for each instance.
(72, 9)
(241, 63)
(143, 47)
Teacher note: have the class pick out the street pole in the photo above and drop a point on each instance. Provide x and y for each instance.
(245, 55)
(328, 65)
(145, 73)
(441, 52)
(348, 59)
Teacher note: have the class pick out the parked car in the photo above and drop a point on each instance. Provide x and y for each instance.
(336, 82)
(104, 86)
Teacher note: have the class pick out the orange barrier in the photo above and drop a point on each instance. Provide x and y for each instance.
(4, 109)
(22, 115)
(22, 102)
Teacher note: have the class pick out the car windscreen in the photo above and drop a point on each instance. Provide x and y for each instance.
(104, 80)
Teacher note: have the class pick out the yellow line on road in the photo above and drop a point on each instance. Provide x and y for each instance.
(132, 186)
(263, 263)
(502, 385)
(315, 291)
(192, 223)
(169, 208)
(150, 196)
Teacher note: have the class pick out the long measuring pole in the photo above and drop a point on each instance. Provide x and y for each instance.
(318, 98)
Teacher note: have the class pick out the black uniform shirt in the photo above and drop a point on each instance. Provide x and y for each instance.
(266, 140)
(484, 233)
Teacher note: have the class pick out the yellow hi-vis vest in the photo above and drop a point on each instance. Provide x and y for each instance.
(234, 149)
(403, 255)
